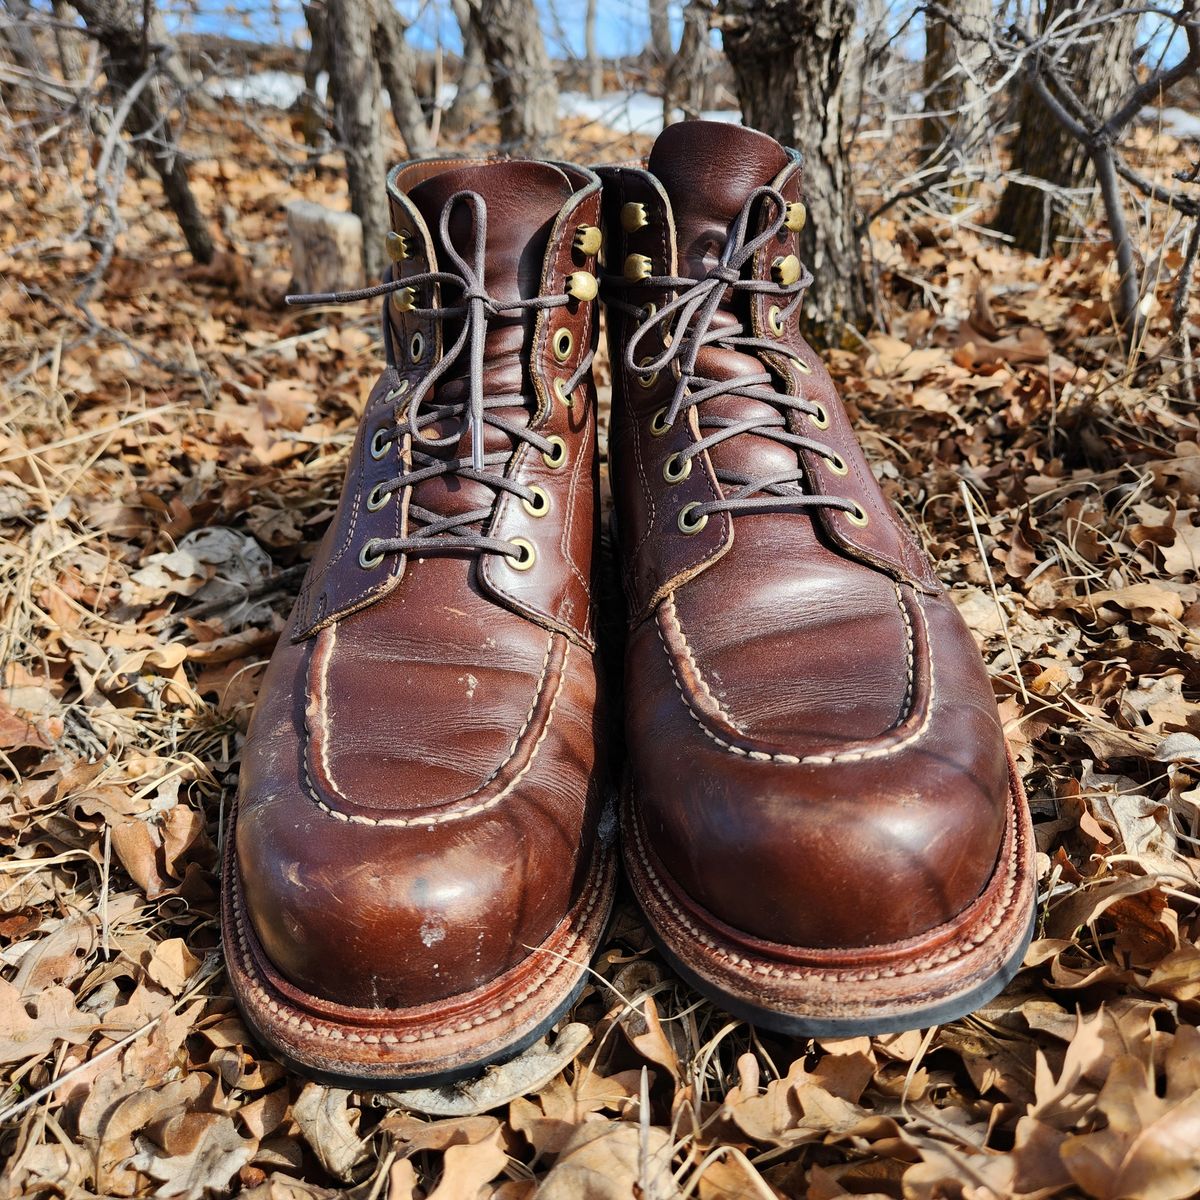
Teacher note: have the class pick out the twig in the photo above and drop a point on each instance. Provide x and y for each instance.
(969, 501)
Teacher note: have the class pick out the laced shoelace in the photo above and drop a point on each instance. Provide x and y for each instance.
(686, 325)
(447, 534)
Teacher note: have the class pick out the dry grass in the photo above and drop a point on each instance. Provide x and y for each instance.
(168, 457)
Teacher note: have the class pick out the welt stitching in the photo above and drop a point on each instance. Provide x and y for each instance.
(845, 756)
(483, 806)
(287, 1013)
(760, 967)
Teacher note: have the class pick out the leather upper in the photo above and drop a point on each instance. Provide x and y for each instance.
(804, 706)
(420, 791)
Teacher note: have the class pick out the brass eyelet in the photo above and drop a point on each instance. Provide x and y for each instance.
(376, 499)
(563, 344)
(676, 469)
(559, 387)
(647, 381)
(837, 464)
(775, 320)
(821, 417)
(857, 516)
(648, 311)
(528, 555)
(659, 423)
(399, 390)
(803, 367)
(381, 443)
(686, 526)
(416, 348)
(366, 559)
(559, 457)
(542, 506)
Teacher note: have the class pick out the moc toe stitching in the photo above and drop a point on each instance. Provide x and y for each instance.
(709, 709)
(451, 810)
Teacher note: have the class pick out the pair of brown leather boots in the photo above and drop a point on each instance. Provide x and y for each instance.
(818, 814)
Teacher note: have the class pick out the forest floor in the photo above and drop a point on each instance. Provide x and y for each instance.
(168, 456)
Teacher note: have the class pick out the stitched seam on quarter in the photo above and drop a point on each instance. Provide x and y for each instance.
(760, 967)
(313, 1023)
(669, 611)
(460, 813)
(792, 760)
(569, 522)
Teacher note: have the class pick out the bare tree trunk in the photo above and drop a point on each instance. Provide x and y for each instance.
(689, 77)
(870, 54)
(789, 59)
(474, 88)
(660, 31)
(315, 61)
(594, 74)
(522, 78)
(359, 124)
(398, 68)
(116, 25)
(956, 62)
(1097, 67)
(68, 42)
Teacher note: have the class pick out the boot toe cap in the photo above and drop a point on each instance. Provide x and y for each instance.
(841, 846)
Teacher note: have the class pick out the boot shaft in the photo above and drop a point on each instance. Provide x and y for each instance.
(703, 263)
(478, 443)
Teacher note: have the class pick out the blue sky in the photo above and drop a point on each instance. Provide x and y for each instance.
(622, 26)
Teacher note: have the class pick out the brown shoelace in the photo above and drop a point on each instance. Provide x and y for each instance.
(437, 533)
(686, 321)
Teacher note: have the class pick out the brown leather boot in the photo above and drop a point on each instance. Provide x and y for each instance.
(820, 820)
(416, 876)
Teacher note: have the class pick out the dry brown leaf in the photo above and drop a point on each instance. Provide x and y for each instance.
(30, 1026)
(1151, 1146)
(330, 1127)
(612, 1162)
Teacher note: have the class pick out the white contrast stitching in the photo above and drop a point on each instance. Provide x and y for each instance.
(760, 967)
(312, 1023)
(461, 813)
(792, 760)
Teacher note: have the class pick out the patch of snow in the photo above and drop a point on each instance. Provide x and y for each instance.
(627, 112)
(270, 89)
(1178, 122)
(622, 112)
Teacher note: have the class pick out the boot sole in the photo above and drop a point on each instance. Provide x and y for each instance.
(391, 1049)
(939, 976)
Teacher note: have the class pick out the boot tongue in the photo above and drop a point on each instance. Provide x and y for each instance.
(708, 169)
(523, 199)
